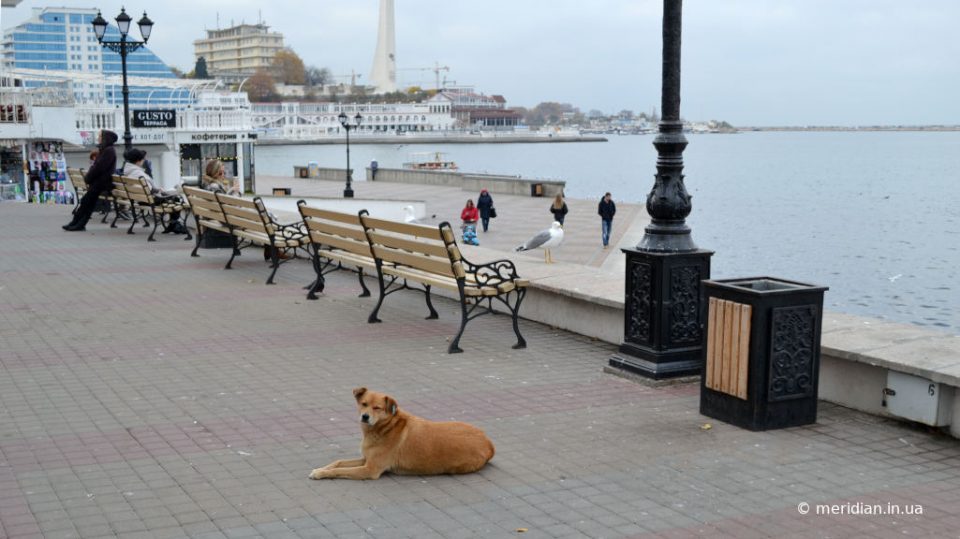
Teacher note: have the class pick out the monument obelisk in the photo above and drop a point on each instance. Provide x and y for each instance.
(383, 75)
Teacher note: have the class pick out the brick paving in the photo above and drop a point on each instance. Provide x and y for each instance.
(144, 393)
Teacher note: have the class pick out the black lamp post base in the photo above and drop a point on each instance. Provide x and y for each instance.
(348, 193)
(663, 313)
(655, 364)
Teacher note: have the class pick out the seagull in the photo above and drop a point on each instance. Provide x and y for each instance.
(410, 216)
(545, 239)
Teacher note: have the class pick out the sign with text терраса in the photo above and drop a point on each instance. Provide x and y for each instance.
(155, 118)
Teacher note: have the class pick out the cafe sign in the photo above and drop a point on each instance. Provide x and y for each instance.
(154, 118)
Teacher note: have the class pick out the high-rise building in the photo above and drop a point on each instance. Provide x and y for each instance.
(235, 53)
(383, 75)
(61, 40)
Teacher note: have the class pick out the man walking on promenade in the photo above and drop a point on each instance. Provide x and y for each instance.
(99, 179)
(606, 209)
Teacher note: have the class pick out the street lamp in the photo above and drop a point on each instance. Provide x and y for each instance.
(123, 47)
(663, 308)
(345, 122)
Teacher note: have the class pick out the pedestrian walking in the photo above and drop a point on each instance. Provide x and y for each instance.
(485, 206)
(606, 209)
(559, 209)
(99, 178)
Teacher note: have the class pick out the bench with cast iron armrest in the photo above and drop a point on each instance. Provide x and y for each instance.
(144, 201)
(336, 240)
(207, 213)
(251, 224)
(405, 253)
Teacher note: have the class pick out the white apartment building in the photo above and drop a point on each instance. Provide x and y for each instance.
(233, 54)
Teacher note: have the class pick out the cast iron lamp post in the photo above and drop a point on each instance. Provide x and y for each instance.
(664, 312)
(345, 122)
(123, 48)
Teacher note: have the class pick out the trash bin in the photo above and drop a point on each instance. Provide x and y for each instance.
(536, 189)
(301, 172)
(214, 239)
(762, 352)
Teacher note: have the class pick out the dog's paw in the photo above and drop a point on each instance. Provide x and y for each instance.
(318, 473)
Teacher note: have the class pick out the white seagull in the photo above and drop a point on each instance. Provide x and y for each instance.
(410, 216)
(545, 239)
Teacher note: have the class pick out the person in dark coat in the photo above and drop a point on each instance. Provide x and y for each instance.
(99, 178)
(485, 205)
(606, 209)
(559, 209)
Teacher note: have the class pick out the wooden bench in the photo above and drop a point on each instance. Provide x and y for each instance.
(118, 199)
(75, 175)
(142, 200)
(336, 240)
(207, 213)
(251, 224)
(405, 253)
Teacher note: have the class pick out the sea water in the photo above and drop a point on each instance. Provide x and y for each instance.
(873, 215)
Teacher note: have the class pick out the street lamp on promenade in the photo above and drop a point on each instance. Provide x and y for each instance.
(664, 311)
(123, 48)
(345, 122)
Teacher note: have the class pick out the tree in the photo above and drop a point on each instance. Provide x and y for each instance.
(200, 69)
(261, 86)
(289, 67)
(318, 76)
(178, 72)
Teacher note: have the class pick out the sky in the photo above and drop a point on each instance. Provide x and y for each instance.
(748, 62)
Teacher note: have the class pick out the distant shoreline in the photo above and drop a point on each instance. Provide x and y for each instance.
(857, 128)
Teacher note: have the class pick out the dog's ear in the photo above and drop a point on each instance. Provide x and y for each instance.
(359, 392)
(390, 404)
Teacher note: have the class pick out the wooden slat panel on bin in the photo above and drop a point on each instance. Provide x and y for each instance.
(745, 313)
(728, 341)
(711, 347)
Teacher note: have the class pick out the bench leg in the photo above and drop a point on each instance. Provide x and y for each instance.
(275, 258)
(454, 347)
(199, 238)
(521, 342)
(433, 312)
(116, 214)
(107, 213)
(373, 316)
(363, 285)
(233, 255)
(156, 222)
(133, 218)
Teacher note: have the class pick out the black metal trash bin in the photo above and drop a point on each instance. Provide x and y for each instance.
(762, 352)
(214, 239)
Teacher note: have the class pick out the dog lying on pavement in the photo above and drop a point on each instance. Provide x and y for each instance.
(401, 443)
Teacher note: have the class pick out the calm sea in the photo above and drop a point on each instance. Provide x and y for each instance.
(874, 216)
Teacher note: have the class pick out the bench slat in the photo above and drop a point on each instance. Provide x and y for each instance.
(429, 264)
(337, 242)
(420, 231)
(330, 215)
(432, 249)
(355, 233)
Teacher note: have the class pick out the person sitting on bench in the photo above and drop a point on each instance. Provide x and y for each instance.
(133, 168)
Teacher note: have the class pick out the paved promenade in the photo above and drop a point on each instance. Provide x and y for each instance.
(144, 393)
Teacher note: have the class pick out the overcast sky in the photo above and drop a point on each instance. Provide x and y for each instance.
(749, 62)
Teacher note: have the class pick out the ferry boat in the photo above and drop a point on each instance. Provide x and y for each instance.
(429, 161)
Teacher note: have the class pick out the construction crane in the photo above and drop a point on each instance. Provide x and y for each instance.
(437, 68)
(352, 76)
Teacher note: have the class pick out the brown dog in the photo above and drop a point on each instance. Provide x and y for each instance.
(401, 443)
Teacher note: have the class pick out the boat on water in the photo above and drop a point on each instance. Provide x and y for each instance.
(429, 161)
